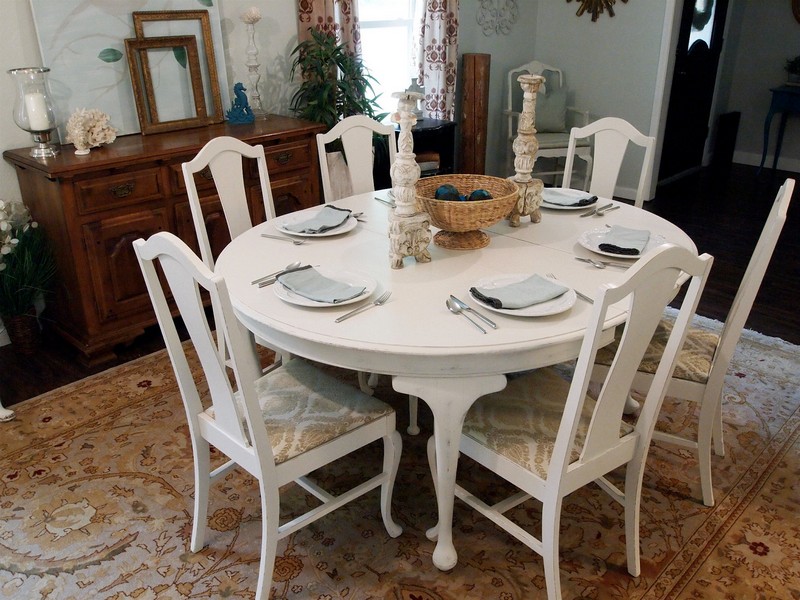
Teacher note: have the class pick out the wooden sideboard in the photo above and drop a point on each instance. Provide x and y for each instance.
(93, 207)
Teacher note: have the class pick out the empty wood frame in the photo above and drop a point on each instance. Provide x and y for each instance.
(174, 77)
(172, 98)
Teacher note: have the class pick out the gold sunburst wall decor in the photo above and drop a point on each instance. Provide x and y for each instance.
(596, 7)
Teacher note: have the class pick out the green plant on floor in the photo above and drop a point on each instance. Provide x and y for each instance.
(335, 84)
(27, 264)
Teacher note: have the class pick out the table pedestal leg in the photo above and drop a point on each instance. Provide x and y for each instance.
(449, 400)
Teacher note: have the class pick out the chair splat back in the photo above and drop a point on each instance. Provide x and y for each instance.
(356, 134)
(611, 138)
(223, 159)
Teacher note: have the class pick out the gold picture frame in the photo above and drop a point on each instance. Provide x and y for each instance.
(208, 61)
(150, 98)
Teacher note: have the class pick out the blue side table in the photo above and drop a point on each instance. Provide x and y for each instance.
(785, 100)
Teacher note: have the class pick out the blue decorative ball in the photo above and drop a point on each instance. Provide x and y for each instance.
(446, 192)
(480, 194)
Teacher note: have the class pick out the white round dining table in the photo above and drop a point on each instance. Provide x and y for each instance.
(428, 351)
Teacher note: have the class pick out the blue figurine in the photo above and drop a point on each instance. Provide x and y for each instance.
(240, 112)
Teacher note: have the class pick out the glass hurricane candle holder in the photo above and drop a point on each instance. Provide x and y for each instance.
(33, 109)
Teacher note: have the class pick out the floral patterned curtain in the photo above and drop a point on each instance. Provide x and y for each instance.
(437, 56)
(339, 17)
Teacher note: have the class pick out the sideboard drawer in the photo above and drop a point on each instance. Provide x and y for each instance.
(286, 157)
(113, 191)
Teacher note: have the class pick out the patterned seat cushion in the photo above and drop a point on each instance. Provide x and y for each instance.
(303, 408)
(694, 359)
(521, 421)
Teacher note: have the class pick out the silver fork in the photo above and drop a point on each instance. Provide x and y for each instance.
(377, 302)
(580, 295)
(285, 239)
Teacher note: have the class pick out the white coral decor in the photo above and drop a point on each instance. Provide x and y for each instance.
(251, 16)
(89, 129)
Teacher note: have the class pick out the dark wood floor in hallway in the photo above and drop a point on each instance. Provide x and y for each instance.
(722, 212)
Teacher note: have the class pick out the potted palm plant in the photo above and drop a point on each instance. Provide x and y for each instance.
(27, 271)
(335, 84)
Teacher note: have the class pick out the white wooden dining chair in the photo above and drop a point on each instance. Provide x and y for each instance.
(222, 159)
(278, 427)
(704, 360)
(356, 134)
(548, 437)
(611, 136)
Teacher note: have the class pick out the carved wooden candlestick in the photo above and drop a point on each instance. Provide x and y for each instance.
(525, 146)
(409, 227)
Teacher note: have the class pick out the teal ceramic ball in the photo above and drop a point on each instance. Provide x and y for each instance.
(446, 192)
(480, 194)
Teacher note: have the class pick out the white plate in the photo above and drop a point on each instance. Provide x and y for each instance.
(351, 277)
(552, 307)
(282, 222)
(578, 194)
(592, 239)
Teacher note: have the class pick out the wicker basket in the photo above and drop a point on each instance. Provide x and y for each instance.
(461, 222)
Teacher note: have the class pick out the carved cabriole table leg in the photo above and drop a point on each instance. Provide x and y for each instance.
(409, 227)
(525, 147)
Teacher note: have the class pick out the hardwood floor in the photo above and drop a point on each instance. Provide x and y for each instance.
(723, 212)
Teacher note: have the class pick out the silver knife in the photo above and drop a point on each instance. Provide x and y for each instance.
(467, 307)
(596, 209)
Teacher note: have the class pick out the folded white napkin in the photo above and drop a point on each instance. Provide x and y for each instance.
(310, 283)
(564, 197)
(622, 240)
(330, 217)
(533, 290)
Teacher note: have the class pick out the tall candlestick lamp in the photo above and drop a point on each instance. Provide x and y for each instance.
(33, 109)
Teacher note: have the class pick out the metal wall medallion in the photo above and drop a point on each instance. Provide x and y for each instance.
(596, 7)
(497, 16)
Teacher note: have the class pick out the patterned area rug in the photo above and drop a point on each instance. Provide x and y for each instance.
(96, 500)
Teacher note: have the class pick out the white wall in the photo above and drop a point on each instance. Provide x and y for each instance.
(507, 52)
(761, 37)
(609, 65)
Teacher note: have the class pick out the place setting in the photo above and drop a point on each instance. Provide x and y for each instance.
(318, 287)
(327, 221)
(618, 241)
(523, 295)
(567, 199)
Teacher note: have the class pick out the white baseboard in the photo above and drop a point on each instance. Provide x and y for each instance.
(753, 159)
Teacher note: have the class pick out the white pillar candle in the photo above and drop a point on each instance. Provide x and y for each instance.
(36, 107)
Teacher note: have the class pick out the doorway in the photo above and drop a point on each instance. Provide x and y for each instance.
(694, 79)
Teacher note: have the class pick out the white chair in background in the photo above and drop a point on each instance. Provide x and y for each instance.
(222, 160)
(356, 134)
(278, 427)
(554, 119)
(611, 137)
(549, 438)
(703, 361)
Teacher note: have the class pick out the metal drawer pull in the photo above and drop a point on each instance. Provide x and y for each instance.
(122, 190)
(283, 158)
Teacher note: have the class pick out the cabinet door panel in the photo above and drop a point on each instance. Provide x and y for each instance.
(119, 289)
(292, 193)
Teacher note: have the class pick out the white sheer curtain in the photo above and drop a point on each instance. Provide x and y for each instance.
(437, 56)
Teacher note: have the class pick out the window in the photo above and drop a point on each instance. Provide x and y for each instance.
(387, 30)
